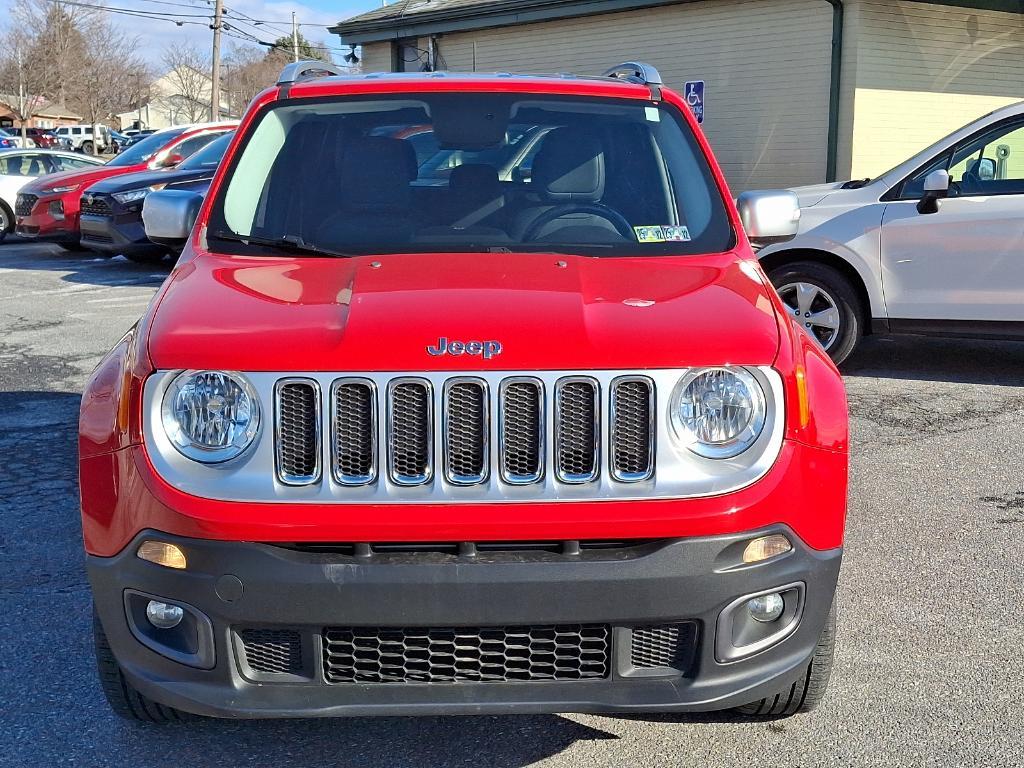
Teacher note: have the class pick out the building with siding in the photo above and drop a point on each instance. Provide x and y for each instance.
(797, 91)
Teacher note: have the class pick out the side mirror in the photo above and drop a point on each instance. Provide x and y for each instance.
(769, 216)
(169, 215)
(171, 160)
(987, 167)
(936, 187)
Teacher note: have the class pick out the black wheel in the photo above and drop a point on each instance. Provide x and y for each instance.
(6, 221)
(823, 301)
(148, 257)
(87, 147)
(122, 697)
(807, 692)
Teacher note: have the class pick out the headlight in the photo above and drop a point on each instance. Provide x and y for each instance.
(210, 416)
(718, 413)
(69, 188)
(132, 195)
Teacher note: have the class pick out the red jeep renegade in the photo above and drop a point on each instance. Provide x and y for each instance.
(467, 395)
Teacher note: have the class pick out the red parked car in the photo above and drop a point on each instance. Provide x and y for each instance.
(43, 138)
(386, 445)
(48, 208)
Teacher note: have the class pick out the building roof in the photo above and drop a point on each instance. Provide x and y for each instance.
(412, 18)
(44, 109)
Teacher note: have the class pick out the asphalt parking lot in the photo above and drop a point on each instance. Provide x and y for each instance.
(931, 595)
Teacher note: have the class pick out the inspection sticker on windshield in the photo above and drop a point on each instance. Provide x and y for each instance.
(668, 233)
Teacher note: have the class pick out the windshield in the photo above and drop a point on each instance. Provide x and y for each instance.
(209, 156)
(472, 172)
(145, 149)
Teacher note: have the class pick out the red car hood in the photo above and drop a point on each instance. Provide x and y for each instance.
(382, 313)
(83, 177)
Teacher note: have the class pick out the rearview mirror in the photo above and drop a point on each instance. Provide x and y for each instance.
(769, 216)
(936, 187)
(169, 215)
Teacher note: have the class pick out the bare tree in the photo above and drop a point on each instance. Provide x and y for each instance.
(110, 80)
(187, 73)
(21, 78)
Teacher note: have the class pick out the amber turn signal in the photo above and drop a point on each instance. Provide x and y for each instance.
(766, 548)
(162, 553)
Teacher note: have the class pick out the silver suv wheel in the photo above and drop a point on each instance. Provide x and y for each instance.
(815, 309)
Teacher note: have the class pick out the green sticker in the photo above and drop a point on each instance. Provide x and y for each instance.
(649, 234)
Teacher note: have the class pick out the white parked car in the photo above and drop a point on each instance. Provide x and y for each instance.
(933, 246)
(20, 166)
(14, 135)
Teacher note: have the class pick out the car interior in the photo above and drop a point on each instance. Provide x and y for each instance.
(507, 174)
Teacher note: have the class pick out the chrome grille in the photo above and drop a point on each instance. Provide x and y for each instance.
(577, 447)
(631, 441)
(298, 431)
(521, 430)
(466, 422)
(95, 206)
(410, 431)
(354, 431)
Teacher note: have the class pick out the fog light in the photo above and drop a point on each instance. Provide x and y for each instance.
(164, 615)
(162, 553)
(766, 608)
(766, 547)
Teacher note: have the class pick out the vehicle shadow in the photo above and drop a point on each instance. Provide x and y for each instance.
(56, 710)
(926, 358)
(83, 267)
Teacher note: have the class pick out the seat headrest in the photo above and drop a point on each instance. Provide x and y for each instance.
(475, 178)
(376, 171)
(569, 166)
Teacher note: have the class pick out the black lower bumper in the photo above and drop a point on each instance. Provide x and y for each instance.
(317, 596)
(118, 232)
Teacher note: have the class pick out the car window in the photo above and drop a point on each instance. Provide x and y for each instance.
(29, 165)
(439, 172)
(193, 144)
(210, 155)
(146, 148)
(989, 164)
(65, 163)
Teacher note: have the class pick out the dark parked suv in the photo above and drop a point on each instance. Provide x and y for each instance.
(111, 209)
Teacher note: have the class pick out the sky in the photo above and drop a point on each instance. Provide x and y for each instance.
(156, 35)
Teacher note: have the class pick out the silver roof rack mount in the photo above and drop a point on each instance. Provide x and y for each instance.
(307, 70)
(635, 72)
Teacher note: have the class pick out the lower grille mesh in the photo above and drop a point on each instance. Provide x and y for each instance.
(460, 655)
(272, 651)
(665, 646)
(23, 205)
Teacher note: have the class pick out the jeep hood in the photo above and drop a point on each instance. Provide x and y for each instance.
(381, 313)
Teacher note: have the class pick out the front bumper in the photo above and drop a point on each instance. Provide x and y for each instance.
(238, 586)
(42, 225)
(120, 230)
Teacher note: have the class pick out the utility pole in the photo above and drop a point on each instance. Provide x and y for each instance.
(295, 39)
(218, 13)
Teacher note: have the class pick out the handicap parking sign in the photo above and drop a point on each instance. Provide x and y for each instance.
(693, 91)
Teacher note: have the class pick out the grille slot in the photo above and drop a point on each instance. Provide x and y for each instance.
(671, 646)
(354, 431)
(632, 429)
(465, 654)
(521, 430)
(577, 431)
(298, 431)
(272, 651)
(410, 431)
(23, 204)
(466, 424)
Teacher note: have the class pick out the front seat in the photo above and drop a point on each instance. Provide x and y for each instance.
(569, 170)
(374, 200)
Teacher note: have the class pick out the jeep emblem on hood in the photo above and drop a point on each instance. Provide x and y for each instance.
(488, 349)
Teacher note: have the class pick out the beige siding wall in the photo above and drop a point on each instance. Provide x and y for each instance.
(921, 71)
(765, 62)
(376, 57)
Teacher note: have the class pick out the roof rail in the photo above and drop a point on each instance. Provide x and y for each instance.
(307, 70)
(635, 72)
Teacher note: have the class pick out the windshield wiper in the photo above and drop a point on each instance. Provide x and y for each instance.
(289, 243)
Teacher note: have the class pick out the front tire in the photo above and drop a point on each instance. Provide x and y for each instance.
(6, 221)
(120, 694)
(807, 692)
(824, 302)
(87, 147)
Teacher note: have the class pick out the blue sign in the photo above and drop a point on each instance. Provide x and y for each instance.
(693, 91)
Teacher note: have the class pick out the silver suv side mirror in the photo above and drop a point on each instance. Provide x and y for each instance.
(769, 216)
(936, 187)
(169, 215)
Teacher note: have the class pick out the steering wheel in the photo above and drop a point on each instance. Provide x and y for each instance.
(610, 215)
